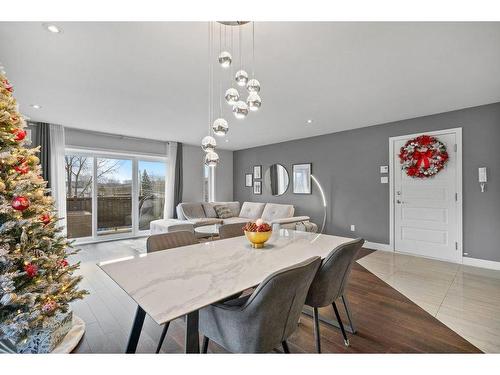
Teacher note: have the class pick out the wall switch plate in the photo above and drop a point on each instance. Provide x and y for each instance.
(353, 227)
(384, 169)
(384, 180)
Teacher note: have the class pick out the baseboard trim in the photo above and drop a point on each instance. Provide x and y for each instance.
(482, 263)
(377, 246)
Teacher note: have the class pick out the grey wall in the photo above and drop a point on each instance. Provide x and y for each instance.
(193, 172)
(347, 164)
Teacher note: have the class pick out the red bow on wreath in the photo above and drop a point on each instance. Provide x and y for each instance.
(423, 158)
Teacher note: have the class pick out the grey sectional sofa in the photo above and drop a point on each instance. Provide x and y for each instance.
(194, 214)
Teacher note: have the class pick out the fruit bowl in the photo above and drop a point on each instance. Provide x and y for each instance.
(258, 239)
(257, 233)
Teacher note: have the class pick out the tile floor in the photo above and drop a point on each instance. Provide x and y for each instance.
(466, 299)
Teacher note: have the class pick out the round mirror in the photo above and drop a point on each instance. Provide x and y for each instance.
(276, 179)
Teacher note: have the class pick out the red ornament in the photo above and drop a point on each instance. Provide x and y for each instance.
(22, 169)
(31, 269)
(45, 218)
(7, 85)
(423, 156)
(63, 263)
(20, 203)
(20, 134)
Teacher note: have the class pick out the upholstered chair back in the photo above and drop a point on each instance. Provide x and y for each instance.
(331, 279)
(165, 241)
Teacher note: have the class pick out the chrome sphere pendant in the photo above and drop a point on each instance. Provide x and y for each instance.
(232, 96)
(225, 59)
(254, 102)
(208, 143)
(240, 110)
(241, 78)
(253, 85)
(220, 127)
(211, 159)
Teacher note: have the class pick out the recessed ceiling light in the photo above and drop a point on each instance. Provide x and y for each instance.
(309, 121)
(227, 140)
(36, 106)
(52, 28)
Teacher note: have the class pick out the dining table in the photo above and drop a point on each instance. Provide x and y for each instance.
(178, 282)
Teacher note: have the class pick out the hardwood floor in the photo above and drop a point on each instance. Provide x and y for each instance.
(386, 321)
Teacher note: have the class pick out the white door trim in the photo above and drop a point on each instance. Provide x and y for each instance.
(458, 134)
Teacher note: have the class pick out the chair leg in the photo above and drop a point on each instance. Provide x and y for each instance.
(317, 337)
(204, 347)
(337, 315)
(162, 337)
(286, 349)
(348, 313)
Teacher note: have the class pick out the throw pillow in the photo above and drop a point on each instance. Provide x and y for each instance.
(223, 212)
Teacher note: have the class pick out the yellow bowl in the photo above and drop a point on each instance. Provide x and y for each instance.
(258, 239)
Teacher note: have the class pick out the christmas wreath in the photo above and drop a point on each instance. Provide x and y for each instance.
(423, 156)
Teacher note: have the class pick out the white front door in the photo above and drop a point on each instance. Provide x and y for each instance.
(426, 209)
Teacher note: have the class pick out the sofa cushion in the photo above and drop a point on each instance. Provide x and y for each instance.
(223, 211)
(192, 210)
(251, 210)
(205, 221)
(209, 209)
(234, 206)
(234, 220)
(274, 211)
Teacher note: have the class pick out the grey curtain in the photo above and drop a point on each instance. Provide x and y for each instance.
(42, 139)
(178, 178)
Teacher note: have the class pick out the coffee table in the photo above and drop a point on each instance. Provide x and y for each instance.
(207, 231)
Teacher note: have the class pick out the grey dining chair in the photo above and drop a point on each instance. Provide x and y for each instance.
(231, 230)
(164, 241)
(329, 285)
(264, 320)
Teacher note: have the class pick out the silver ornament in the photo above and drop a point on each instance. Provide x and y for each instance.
(208, 143)
(253, 85)
(225, 59)
(211, 159)
(240, 110)
(220, 127)
(232, 96)
(253, 101)
(241, 78)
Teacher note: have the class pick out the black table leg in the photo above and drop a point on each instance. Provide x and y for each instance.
(135, 333)
(192, 335)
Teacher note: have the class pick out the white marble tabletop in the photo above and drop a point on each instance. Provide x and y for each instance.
(171, 283)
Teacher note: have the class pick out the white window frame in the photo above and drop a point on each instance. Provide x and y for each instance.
(135, 158)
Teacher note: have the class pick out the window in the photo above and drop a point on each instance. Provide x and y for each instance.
(208, 184)
(111, 195)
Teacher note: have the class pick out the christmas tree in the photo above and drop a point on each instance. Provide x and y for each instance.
(36, 280)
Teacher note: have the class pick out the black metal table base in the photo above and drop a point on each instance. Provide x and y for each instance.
(349, 328)
(192, 340)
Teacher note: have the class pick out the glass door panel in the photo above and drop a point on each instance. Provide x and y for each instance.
(79, 171)
(114, 196)
(151, 182)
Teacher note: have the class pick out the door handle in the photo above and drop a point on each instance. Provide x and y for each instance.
(399, 201)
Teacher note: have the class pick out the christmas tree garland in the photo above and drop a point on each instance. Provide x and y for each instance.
(36, 280)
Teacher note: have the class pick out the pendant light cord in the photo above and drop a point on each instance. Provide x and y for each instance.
(253, 49)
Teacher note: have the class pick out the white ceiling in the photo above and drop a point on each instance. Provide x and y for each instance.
(150, 79)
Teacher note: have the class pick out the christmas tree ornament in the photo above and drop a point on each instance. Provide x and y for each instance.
(49, 307)
(241, 78)
(22, 169)
(19, 134)
(33, 160)
(31, 270)
(63, 263)
(220, 127)
(253, 85)
(211, 159)
(208, 143)
(20, 203)
(39, 193)
(45, 218)
(232, 96)
(253, 101)
(240, 110)
(225, 59)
